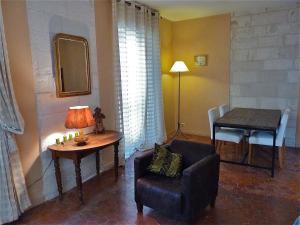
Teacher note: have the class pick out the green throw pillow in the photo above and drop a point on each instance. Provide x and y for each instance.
(165, 162)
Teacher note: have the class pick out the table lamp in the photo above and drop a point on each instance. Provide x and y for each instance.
(178, 67)
(79, 117)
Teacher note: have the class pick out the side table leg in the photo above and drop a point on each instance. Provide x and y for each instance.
(116, 151)
(97, 163)
(58, 176)
(214, 136)
(77, 161)
(273, 153)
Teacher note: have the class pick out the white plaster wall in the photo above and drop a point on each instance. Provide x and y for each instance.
(45, 19)
(265, 61)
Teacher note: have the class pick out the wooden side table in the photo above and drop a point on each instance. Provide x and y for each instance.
(70, 150)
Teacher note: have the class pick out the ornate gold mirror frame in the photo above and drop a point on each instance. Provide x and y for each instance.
(85, 77)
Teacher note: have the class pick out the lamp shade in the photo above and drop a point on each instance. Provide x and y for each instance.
(79, 117)
(179, 66)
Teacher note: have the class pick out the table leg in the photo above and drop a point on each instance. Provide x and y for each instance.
(214, 135)
(77, 161)
(58, 176)
(97, 163)
(116, 151)
(273, 152)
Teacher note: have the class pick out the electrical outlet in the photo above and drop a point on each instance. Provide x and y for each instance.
(182, 124)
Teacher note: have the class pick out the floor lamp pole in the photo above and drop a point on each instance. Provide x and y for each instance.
(178, 131)
(178, 118)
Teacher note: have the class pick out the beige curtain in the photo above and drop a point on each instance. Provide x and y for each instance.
(13, 194)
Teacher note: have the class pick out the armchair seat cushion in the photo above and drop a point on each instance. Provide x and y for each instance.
(160, 192)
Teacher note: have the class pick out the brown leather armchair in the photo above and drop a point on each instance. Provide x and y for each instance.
(185, 196)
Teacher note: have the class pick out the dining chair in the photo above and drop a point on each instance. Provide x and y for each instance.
(223, 135)
(224, 108)
(266, 138)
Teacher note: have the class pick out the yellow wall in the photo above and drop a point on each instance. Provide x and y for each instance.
(298, 122)
(202, 87)
(166, 48)
(19, 53)
(103, 23)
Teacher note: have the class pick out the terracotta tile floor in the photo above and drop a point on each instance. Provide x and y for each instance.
(246, 196)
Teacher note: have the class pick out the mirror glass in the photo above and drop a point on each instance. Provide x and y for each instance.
(72, 65)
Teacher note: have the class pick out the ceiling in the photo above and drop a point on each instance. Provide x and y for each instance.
(176, 10)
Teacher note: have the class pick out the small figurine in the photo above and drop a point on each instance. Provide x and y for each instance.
(99, 116)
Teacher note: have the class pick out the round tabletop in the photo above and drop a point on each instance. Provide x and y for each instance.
(102, 140)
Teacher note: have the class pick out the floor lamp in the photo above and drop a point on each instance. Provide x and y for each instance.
(178, 67)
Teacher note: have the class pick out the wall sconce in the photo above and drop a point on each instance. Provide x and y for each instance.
(200, 60)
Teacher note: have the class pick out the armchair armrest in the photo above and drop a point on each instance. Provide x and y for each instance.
(199, 167)
(140, 168)
(200, 183)
(141, 163)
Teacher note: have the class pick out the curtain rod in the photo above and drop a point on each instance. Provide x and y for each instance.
(138, 6)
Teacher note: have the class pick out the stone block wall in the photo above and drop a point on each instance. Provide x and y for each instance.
(265, 61)
(45, 19)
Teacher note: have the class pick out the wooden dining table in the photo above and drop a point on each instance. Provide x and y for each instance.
(250, 119)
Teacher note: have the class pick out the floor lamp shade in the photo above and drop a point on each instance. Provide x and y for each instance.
(79, 117)
(179, 66)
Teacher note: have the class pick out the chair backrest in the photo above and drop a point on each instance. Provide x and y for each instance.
(213, 115)
(282, 128)
(223, 109)
(191, 151)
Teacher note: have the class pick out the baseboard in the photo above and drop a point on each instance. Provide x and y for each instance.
(106, 167)
(40, 199)
(171, 133)
(193, 132)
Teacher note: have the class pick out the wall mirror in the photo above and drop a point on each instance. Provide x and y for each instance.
(72, 65)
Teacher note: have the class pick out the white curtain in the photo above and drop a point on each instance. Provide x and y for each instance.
(13, 194)
(138, 75)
